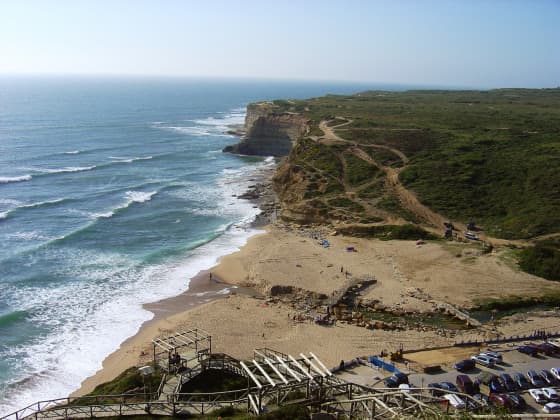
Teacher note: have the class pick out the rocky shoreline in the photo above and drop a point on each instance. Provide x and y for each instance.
(262, 194)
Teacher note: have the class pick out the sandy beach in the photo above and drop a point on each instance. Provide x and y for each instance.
(235, 307)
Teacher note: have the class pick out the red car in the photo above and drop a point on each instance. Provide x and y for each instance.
(547, 348)
(500, 400)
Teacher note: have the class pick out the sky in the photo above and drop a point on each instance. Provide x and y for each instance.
(470, 43)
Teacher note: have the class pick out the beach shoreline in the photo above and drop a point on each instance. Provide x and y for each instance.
(205, 287)
(294, 274)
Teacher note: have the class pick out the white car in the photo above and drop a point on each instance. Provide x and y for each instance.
(550, 394)
(483, 360)
(407, 388)
(556, 372)
(551, 408)
(538, 395)
(497, 357)
(455, 401)
(470, 235)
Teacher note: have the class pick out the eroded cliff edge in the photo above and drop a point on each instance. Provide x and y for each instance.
(269, 131)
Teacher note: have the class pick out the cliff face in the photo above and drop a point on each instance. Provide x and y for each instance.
(269, 133)
(291, 183)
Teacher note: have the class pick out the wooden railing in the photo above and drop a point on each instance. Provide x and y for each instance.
(76, 405)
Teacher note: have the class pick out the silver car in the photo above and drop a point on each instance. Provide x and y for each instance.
(484, 360)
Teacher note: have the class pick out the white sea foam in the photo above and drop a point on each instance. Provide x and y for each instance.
(10, 201)
(68, 169)
(72, 152)
(130, 197)
(210, 126)
(234, 117)
(129, 160)
(140, 196)
(198, 131)
(8, 179)
(27, 236)
(104, 215)
(42, 203)
(3, 215)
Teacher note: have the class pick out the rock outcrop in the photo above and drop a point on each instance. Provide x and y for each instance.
(269, 133)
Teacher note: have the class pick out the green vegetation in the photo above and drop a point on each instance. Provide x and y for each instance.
(388, 232)
(385, 157)
(128, 382)
(542, 260)
(550, 299)
(374, 190)
(489, 156)
(215, 381)
(431, 319)
(316, 157)
(346, 203)
(392, 205)
(294, 412)
(358, 170)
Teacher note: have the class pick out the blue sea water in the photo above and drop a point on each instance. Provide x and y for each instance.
(113, 193)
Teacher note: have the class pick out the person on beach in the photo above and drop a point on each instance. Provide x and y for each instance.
(210, 276)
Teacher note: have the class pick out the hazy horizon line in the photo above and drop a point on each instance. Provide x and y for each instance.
(426, 86)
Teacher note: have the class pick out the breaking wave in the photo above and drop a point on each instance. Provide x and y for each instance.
(8, 179)
(68, 169)
(129, 160)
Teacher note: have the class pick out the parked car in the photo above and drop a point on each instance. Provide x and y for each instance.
(538, 396)
(440, 388)
(482, 399)
(455, 401)
(407, 388)
(528, 349)
(395, 380)
(491, 381)
(466, 385)
(483, 360)
(500, 400)
(548, 349)
(521, 381)
(550, 394)
(536, 380)
(549, 378)
(556, 372)
(508, 383)
(464, 365)
(435, 389)
(517, 401)
(470, 235)
(448, 386)
(497, 357)
(551, 408)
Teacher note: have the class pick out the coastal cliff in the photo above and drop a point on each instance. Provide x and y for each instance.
(269, 131)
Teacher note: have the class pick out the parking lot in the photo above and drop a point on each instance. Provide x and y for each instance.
(513, 362)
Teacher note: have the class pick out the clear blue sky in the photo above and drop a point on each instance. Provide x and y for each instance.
(478, 43)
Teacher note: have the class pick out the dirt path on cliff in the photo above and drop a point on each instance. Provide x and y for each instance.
(407, 198)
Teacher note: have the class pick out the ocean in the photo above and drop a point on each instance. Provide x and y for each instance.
(114, 192)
